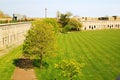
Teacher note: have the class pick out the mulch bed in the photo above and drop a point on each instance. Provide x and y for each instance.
(24, 63)
(24, 69)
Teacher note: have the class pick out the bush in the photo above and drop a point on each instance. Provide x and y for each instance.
(75, 25)
(66, 29)
(69, 69)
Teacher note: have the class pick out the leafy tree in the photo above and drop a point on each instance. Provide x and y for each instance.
(40, 40)
(75, 24)
(69, 69)
(64, 19)
(69, 14)
(53, 22)
(68, 23)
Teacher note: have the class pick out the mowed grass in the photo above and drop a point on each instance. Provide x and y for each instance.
(6, 63)
(99, 50)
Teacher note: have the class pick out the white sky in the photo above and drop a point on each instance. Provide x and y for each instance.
(35, 8)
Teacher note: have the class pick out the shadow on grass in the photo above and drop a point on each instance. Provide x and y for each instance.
(26, 63)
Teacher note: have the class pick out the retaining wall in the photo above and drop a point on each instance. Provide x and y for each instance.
(13, 33)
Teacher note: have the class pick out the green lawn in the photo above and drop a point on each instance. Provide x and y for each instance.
(6, 63)
(99, 50)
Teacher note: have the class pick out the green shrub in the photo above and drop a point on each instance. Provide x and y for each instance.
(75, 24)
(66, 29)
(69, 69)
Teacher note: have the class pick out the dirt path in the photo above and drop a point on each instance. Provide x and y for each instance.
(22, 74)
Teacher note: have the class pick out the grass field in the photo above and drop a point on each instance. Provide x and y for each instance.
(6, 63)
(99, 50)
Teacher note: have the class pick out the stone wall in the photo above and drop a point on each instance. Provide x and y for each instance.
(13, 33)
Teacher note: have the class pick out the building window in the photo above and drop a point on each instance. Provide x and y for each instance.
(111, 25)
(89, 27)
(118, 26)
(92, 27)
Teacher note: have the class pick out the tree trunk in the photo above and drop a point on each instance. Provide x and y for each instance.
(71, 77)
(41, 56)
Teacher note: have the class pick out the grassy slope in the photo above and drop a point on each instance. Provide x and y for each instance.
(6, 63)
(100, 50)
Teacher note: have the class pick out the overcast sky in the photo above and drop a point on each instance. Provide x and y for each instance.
(36, 8)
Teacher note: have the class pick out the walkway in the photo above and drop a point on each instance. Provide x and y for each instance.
(22, 74)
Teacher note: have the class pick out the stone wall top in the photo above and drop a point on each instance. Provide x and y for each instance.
(16, 23)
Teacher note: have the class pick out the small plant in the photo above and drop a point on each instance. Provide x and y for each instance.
(69, 69)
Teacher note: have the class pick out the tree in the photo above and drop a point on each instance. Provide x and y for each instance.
(58, 15)
(69, 68)
(64, 19)
(40, 40)
(75, 24)
(69, 14)
(53, 22)
(68, 23)
(2, 15)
